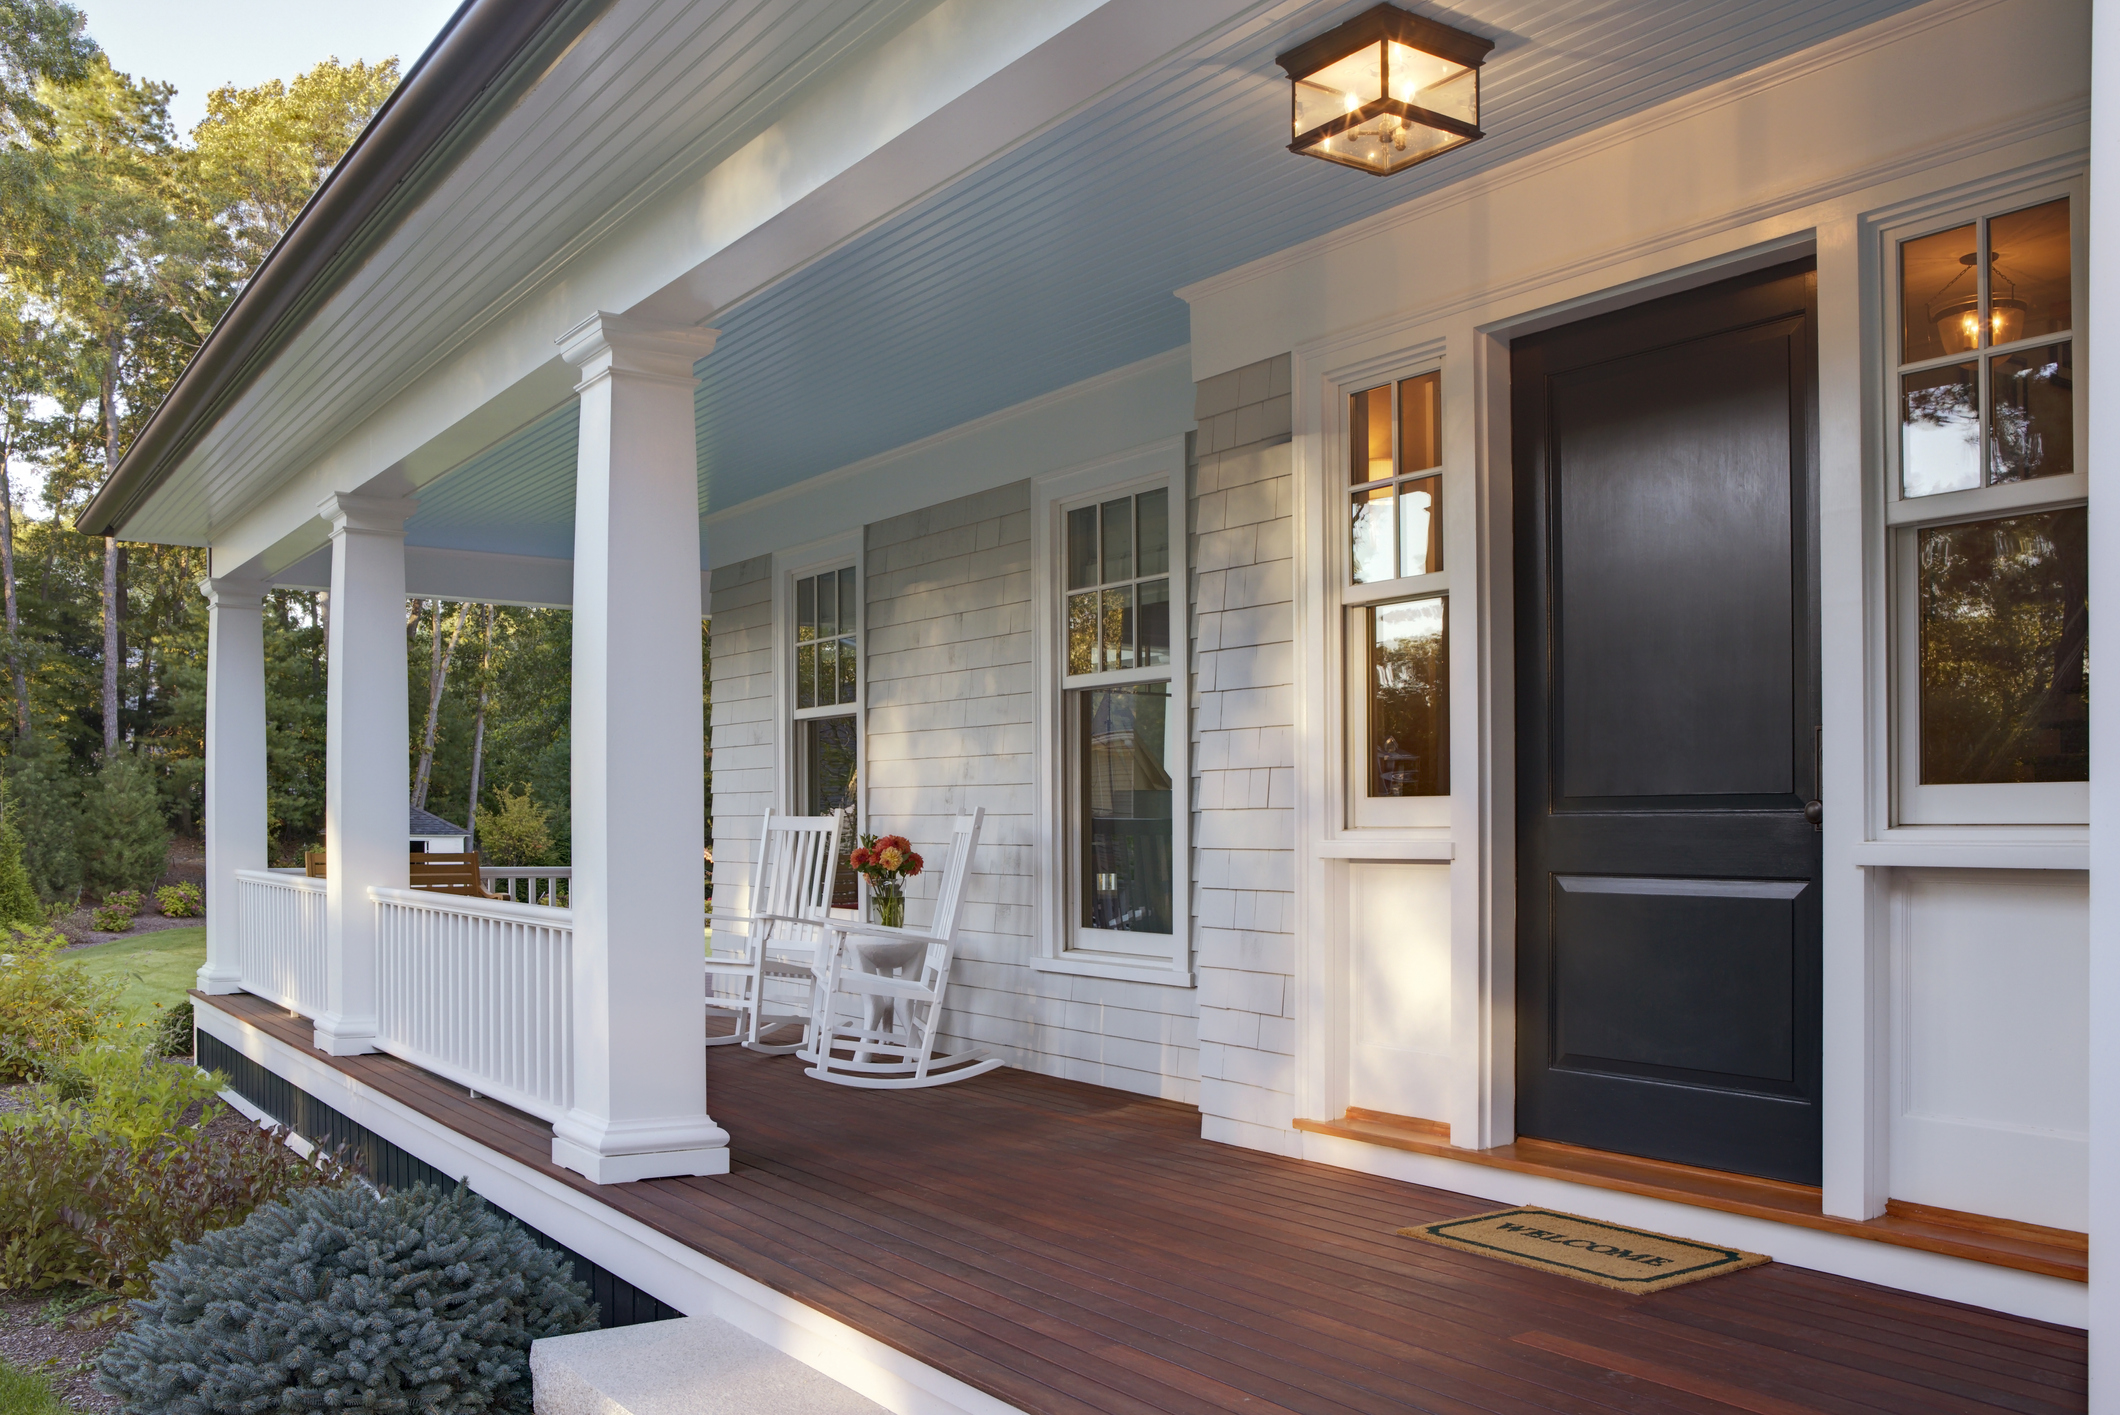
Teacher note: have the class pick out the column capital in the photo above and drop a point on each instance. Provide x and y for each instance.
(604, 344)
(349, 511)
(234, 592)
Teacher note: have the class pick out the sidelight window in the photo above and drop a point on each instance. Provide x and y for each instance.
(826, 698)
(1988, 520)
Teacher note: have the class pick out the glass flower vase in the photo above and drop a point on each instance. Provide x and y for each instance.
(887, 905)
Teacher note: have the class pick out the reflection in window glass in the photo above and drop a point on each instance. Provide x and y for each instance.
(2032, 421)
(1123, 545)
(1155, 623)
(1118, 539)
(1118, 629)
(1152, 508)
(1420, 529)
(1372, 536)
(1125, 796)
(1081, 547)
(2005, 684)
(1369, 435)
(1420, 423)
(1082, 633)
(1939, 430)
(1936, 279)
(1395, 526)
(2028, 258)
(1409, 699)
(828, 783)
(825, 657)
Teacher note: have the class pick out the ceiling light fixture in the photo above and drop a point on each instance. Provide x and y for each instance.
(1385, 90)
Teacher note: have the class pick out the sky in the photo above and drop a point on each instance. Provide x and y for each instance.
(199, 45)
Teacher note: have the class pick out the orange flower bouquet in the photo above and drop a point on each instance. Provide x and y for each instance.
(888, 861)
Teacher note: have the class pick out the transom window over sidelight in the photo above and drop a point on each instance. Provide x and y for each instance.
(827, 691)
(1991, 602)
(1116, 555)
(1395, 439)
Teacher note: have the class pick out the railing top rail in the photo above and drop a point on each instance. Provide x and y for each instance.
(526, 871)
(279, 879)
(434, 901)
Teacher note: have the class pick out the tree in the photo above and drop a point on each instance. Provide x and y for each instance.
(18, 897)
(123, 841)
(437, 680)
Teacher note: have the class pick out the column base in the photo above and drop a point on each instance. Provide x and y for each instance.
(624, 1169)
(219, 980)
(345, 1036)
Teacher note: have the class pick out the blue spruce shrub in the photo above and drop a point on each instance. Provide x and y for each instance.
(421, 1301)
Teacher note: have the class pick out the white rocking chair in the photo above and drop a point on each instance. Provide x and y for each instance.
(791, 895)
(870, 1029)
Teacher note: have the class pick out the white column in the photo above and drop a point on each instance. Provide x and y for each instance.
(367, 771)
(2102, 400)
(235, 764)
(640, 1087)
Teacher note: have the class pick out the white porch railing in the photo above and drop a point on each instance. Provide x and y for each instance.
(479, 991)
(280, 943)
(529, 884)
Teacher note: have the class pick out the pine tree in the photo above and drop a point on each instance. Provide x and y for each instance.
(18, 897)
(123, 840)
(45, 808)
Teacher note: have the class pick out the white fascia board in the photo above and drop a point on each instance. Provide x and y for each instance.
(480, 576)
(1840, 118)
(1129, 407)
(964, 84)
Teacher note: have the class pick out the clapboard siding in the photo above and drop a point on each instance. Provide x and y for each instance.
(950, 727)
(1242, 547)
(742, 732)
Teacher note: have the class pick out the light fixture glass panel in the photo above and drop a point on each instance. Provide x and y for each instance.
(2032, 415)
(1371, 536)
(1152, 513)
(1154, 623)
(1117, 629)
(1421, 423)
(2005, 667)
(1936, 276)
(2028, 272)
(1340, 88)
(1369, 435)
(1082, 633)
(1939, 430)
(1081, 547)
(1118, 537)
(1126, 801)
(1421, 526)
(1430, 81)
(1409, 699)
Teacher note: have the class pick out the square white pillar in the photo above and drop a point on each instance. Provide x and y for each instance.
(235, 764)
(639, 807)
(367, 769)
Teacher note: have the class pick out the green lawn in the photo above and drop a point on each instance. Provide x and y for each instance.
(156, 967)
(27, 1393)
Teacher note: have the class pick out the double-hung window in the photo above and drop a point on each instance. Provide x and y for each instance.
(1119, 784)
(1986, 504)
(827, 662)
(1397, 607)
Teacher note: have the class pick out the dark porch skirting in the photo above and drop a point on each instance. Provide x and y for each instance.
(1071, 1249)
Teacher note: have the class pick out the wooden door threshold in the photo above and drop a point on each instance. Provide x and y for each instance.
(2053, 1252)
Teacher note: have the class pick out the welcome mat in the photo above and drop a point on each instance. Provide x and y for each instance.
(1625, 1259)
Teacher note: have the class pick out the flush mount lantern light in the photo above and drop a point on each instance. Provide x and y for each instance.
(1385, 90)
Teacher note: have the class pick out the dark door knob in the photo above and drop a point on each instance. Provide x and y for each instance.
(1814, 811)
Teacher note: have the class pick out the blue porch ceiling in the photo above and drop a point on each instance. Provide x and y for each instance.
(1058, 262)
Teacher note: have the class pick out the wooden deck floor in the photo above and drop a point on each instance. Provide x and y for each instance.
(1073, 1249)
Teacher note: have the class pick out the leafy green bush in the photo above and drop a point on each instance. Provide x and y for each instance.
(109, 920)
(180, 901)
(346, 1299)
(516, 832)
(127, 899)
(173, 1030)
(48, 1007)
(112, 1088)
(81, 1205)
(122, 839)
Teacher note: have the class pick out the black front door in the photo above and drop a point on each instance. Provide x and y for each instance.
(1667, 711)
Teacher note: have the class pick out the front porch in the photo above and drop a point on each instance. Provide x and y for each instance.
(1054, 1246)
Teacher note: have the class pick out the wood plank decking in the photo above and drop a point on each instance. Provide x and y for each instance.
(1073, 1249)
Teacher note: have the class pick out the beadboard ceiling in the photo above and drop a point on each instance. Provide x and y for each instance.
(1058, 262)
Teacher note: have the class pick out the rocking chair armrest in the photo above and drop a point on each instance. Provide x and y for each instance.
(879, 931)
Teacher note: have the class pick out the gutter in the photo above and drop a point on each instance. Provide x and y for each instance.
(485, 58)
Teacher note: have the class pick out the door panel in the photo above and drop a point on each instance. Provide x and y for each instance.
(1667, 707)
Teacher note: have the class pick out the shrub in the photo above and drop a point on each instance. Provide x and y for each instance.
(346, 1299)
(80, 1205)
(111, 1088)
(18, 895)
(180, 901)
(122, 839)
(515, 832)
(48, 1007)
(126, 899)
(173, 1031)
(109, 920)
(44, 804)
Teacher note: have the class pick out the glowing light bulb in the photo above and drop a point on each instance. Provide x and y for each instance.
(1353, 101)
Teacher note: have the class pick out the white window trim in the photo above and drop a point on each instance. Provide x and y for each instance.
(1160, 463)
(2057, 809)
(831, 553)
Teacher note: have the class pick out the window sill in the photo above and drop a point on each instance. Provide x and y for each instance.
(1148, 971)
(1355, 847)
(1953, 848)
